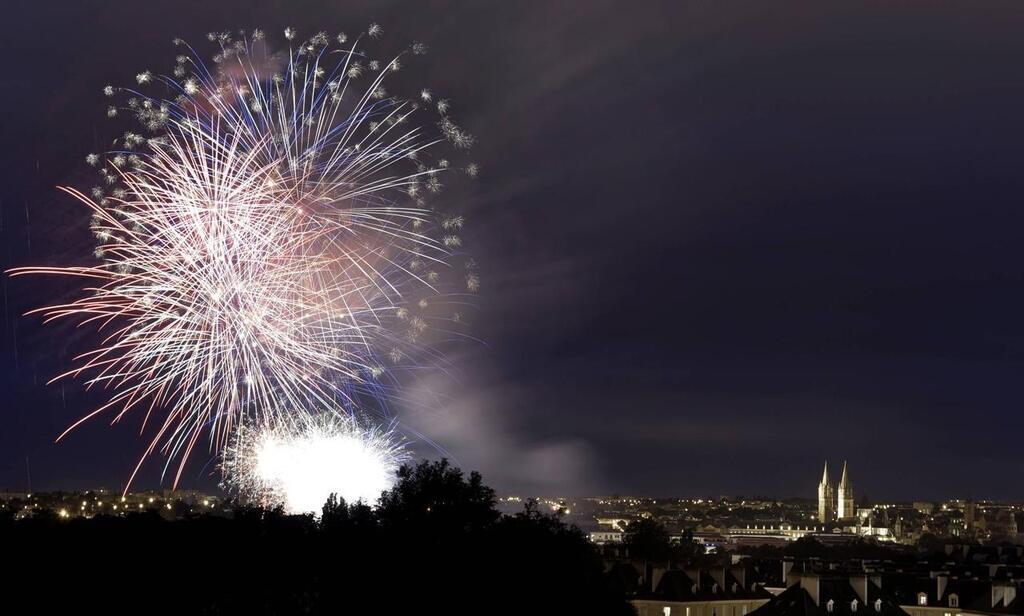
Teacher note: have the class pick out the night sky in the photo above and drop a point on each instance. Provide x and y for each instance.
(718, 243)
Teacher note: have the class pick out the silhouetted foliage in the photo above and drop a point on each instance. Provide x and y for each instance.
(931, 544)
(435, 544)
(434, 496)
(647, 539)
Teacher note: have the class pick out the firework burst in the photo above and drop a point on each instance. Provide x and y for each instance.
(299, 466)
(265, 243)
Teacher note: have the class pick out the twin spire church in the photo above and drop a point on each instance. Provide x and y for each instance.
(835, 503)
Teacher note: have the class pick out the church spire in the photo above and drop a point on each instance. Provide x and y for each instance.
(824, 475)
(826, 503)
(844, 497)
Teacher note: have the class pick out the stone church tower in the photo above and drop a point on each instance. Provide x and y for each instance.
(844, 498)
(835, 503)
(826, 502)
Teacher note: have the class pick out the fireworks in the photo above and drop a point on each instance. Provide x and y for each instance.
(299, 467)
(265, 245)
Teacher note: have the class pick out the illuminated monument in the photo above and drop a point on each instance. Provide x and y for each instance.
(825, 498)
(835, 503)
(844, 498)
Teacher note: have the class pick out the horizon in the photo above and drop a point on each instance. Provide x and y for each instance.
(711, 496)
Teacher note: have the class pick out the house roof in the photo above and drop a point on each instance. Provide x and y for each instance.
(693, 585)
(798, 601)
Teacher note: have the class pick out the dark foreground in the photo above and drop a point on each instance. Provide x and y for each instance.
(435, 544)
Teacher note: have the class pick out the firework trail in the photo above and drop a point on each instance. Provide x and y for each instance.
(265, 243)
(300, 466)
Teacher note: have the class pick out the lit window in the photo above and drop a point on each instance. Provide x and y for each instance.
(666, 611)
(922, 599)
(687, 611)
(954, 600)
(878, 605)
(830, 606)
(853, 605)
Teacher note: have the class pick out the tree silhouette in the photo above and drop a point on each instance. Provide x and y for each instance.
(434, 497)
(646, 539)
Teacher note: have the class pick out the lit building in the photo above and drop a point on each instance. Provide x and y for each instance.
(825, 498)
(835, 503)
(844, 497)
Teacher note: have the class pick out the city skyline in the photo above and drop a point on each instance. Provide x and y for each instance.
(821, 498)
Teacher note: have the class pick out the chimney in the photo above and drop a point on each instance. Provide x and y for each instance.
(694, 575)
(718, 574)
(997, 594)
(941, 581)
(740, 573)
(1009, 594)
(1003, 592)
(645, 579)
(860, 586)
(656, 574)
(812, 584)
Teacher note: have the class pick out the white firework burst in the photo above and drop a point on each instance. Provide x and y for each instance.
(257, 244)
(299, 466)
